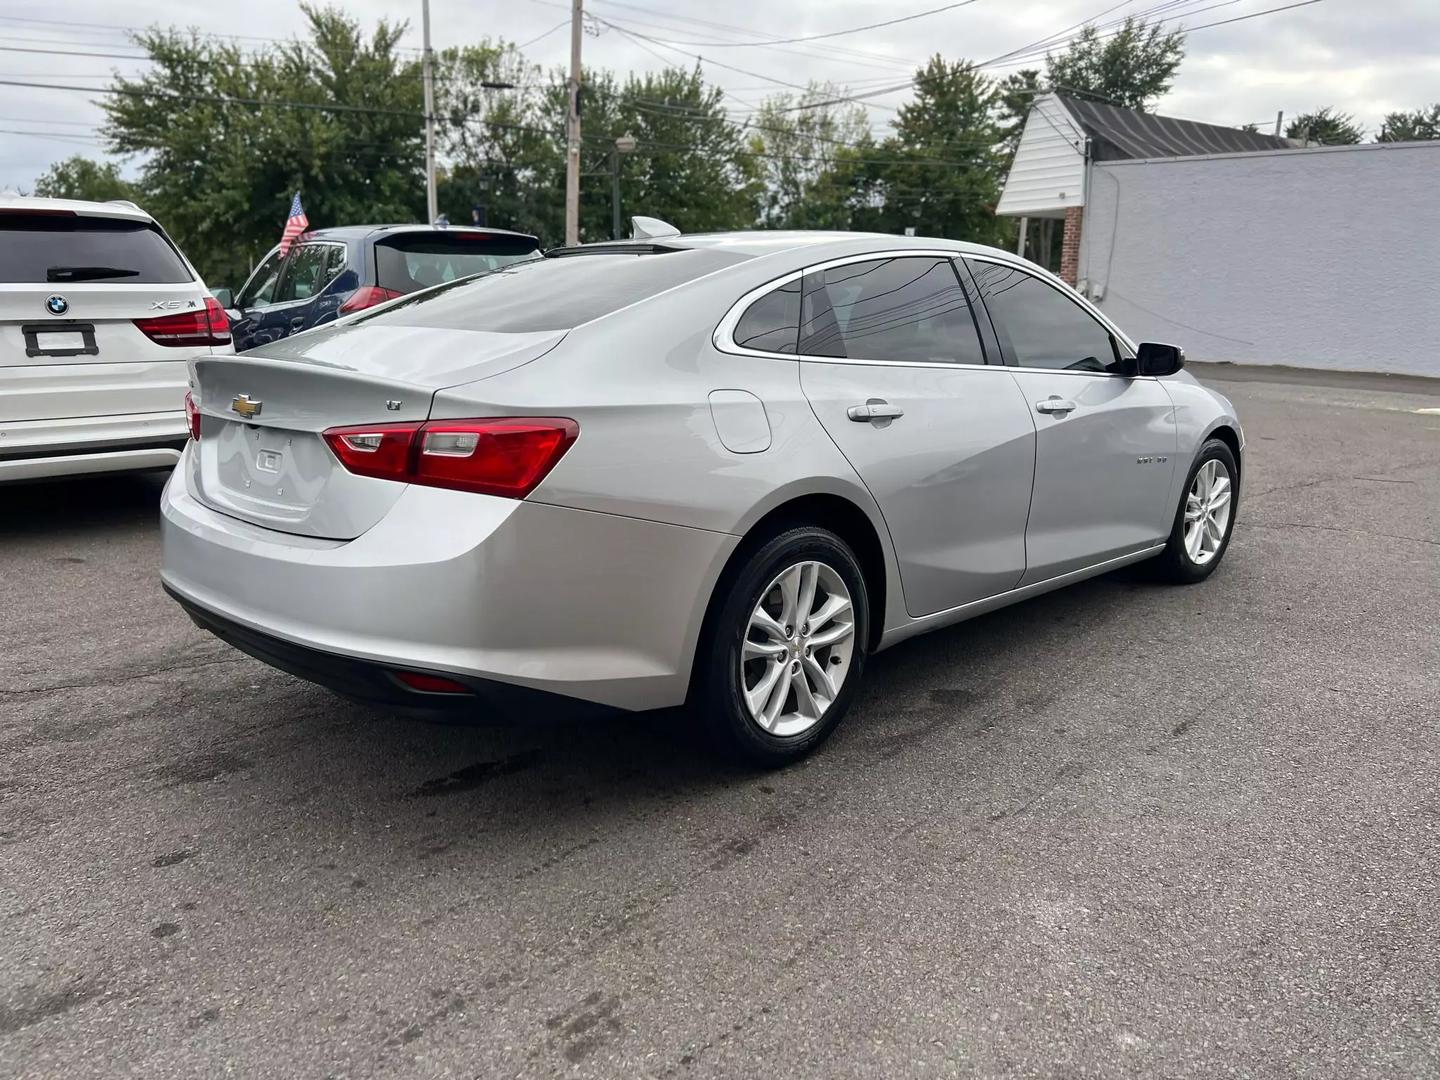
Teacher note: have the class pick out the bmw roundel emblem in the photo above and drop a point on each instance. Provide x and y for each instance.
(57, 305)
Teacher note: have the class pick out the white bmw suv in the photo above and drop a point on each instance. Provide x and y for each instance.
(99, 314)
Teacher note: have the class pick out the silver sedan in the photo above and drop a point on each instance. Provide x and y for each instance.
(714, 470)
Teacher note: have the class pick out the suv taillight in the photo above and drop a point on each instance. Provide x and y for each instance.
(367, 296)
(207, 327)
(192, 416)
(506, 456)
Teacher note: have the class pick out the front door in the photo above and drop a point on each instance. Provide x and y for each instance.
(1104, 441)
(893, 367)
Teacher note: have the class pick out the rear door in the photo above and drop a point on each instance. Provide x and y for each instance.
(893, 365)
(286, 296)
(72, 289)
(1105, 441)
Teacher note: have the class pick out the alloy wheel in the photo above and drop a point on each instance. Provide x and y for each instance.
(1207, 511)
(797, 650)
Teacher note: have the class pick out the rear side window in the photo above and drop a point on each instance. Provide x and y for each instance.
(418, 260)
(772, 323)
(60, 249)
(1042, 326)
(910, 308)
(552, 293)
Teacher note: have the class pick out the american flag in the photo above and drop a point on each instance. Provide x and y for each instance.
(295, 224)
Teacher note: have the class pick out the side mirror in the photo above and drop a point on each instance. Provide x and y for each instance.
(225, 296)
(1156, 359)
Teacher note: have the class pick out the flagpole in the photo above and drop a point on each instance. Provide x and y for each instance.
(432, 210)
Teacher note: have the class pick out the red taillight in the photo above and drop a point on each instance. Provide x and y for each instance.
(208, 326)
(192, 416)
(506, 456)
(367, 296)
(431, 684)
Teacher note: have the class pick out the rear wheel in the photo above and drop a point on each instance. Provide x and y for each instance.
(1205, 518)
(787, 648)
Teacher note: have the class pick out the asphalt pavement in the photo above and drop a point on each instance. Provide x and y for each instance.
(1120, 830)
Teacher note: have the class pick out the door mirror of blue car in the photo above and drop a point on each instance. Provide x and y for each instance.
(225, 295)
(1154, 358)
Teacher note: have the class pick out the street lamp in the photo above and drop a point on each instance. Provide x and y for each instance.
(625, 144)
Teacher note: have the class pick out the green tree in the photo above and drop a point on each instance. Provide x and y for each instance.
(1327, 126)
(1131, 67)
(498, 138)
(1414, 126)
(220, 174)
(941, 170)
(81, 178)
(804, 149)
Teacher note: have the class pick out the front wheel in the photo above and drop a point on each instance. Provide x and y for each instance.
(1205, 518)
(787, 648)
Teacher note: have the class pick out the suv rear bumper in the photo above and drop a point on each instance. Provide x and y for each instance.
(79, 446)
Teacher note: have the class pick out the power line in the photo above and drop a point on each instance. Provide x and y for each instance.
(834, 33)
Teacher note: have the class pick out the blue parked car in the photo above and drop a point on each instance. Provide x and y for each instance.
(332, 272)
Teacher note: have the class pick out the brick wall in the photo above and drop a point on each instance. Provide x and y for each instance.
(1070, 246)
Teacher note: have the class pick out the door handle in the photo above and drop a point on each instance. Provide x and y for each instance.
(1054, 404)
(874, 409)
(296, 322)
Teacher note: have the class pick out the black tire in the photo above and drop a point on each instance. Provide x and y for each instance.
(1174, 564)
(718, 697)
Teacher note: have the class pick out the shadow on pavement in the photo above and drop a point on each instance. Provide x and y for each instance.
(83, 504)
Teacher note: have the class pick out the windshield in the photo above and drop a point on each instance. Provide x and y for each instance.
(418, 260)
(553, 294)
(54, 248)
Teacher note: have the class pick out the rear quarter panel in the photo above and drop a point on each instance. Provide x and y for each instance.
(639, 382)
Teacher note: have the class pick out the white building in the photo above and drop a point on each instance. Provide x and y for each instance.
(1240, 246)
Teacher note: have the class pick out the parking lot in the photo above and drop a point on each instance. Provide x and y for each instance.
(1123, 828)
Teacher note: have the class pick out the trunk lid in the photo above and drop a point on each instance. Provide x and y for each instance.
(273, 468)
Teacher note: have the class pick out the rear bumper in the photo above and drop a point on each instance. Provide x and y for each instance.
(365, 680)
(78, 446)
(589, 606)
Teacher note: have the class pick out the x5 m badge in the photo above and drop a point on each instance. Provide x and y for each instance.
(246, 407)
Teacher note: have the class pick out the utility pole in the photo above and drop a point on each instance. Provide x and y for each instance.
(1279, 123)
(432, 209)
(572, 129)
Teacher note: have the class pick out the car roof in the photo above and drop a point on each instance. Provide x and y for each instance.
(360, 232)
(118, 208)
(754, 243)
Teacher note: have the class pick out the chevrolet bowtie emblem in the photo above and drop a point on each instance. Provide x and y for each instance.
(245, 407)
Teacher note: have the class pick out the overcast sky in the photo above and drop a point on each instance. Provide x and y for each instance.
(1365, 56)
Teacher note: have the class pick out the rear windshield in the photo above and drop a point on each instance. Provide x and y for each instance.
(417, 261)
(553, 294)
(60, 249)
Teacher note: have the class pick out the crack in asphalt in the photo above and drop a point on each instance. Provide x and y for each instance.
(124, 678)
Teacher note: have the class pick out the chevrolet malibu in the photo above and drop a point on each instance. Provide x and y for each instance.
(716, 470)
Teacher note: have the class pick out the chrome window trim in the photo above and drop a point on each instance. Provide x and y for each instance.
(724, 341)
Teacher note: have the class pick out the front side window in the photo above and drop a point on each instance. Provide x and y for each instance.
(1042, 326)
(308, 270)
(910, 308)
(772, 323)
(259, 291)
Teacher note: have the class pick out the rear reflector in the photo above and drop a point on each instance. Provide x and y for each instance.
(209, 326)
(505, 456)
(430, 684)
(367, 296)
(192, 416)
